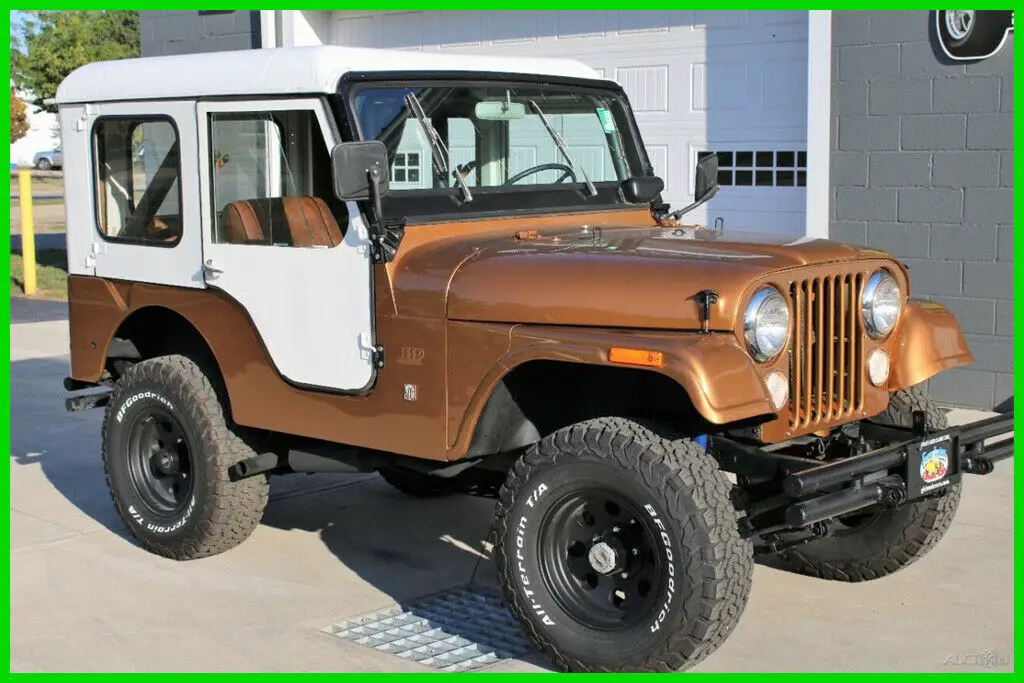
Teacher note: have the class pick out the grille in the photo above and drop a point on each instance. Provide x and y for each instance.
(826, 380)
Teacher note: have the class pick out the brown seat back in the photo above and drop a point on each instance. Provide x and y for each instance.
(297, 221)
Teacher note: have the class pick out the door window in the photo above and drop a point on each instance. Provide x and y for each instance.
(138, 168)
(271, 181)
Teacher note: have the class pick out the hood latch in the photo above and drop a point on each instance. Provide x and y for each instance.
(706, 298)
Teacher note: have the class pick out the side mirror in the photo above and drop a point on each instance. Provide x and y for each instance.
(642, 189)
(706, 178)
(360, 170)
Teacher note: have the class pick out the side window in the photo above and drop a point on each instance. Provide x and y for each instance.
(137, 176)
(271, 181)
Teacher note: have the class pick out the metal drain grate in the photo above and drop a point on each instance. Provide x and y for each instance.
(460, 629)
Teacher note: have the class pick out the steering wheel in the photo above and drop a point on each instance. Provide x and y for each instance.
(567, 172)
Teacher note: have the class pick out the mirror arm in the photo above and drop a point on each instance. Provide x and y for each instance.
(385, 236)
(685, 210)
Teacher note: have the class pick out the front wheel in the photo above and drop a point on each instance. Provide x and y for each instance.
(44, 164)
(167, 449)
(872, 545)
(620, 549)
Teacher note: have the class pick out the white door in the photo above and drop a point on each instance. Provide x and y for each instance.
(727, 81)
(277, 241)
(143, 209)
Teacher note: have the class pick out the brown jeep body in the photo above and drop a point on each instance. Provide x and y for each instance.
(464, 305)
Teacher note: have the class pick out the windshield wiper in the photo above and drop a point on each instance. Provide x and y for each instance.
(437, 147)
(561, 148)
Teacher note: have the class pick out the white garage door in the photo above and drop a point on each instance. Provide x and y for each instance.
(732, 82)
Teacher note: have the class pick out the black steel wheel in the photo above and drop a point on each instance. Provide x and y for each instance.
(619, 549)
(167, 451)
(599, 556)
(160, 461)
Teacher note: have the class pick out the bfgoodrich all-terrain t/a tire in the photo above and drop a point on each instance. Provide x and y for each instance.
(875, 545)
(166, 450)
(619, 549)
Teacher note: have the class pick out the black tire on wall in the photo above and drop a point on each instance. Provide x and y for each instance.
(166, 451)
(619, 549)
(874, 545)
(967, 34)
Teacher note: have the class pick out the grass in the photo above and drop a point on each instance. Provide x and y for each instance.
(51, 274)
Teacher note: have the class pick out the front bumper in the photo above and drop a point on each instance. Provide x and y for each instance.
(914, 464)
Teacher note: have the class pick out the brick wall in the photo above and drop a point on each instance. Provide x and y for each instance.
(186, 32)
(922, 166)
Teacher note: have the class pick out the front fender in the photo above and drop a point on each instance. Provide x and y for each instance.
(928, 341)
(716, 372)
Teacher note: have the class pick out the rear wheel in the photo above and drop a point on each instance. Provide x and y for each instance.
(166, 450)
(620, 549)
(872, 545)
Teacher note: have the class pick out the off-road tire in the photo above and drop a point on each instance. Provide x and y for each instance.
(893, 539)
(222, 513)
(675, 483)
(415, 484)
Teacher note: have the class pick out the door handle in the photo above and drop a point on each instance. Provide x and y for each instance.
(211, 269)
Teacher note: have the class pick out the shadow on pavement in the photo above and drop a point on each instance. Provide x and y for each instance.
(403, 547)
(37, 310)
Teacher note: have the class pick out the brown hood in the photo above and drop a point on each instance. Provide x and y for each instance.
(616, 274)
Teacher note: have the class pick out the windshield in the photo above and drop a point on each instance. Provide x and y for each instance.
(468, 147)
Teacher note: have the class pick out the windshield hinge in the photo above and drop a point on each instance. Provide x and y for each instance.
(385, 240)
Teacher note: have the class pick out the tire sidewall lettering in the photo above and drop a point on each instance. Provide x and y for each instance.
(521, 560)
(140, 396)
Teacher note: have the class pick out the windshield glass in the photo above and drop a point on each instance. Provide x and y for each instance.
(468, 145)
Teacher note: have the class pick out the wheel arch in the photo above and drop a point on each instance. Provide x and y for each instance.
(155, 330)
(705, 382)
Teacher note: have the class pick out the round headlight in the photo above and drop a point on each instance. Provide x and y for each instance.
(766, 324)
(881, 304)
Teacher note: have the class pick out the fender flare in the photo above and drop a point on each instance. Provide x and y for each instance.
(928, 341)
(717, 374)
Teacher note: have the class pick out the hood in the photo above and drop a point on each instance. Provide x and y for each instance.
(611, 276)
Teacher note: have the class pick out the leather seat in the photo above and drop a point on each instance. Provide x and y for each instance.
(294, 221)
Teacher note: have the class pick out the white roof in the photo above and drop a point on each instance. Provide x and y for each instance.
(277, 71)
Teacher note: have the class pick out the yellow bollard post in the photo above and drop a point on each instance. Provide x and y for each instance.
(28, 236)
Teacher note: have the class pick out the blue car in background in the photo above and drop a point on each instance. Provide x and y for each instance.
(44, 161)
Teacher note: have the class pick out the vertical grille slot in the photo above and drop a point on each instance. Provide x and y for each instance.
(827, 350)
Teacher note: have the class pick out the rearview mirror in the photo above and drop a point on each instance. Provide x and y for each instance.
(706, 178)
(360, 170)
(642, 189)
(499, 110)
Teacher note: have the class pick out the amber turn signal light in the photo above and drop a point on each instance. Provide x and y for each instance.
(653, 359)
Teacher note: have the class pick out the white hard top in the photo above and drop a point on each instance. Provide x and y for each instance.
(276, 71)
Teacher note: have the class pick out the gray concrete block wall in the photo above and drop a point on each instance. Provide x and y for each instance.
(922, 166)
(181, 32)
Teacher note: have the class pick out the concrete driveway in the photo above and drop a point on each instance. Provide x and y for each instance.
(84, 597)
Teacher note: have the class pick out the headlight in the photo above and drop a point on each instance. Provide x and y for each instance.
(766, 324)
(881, 304)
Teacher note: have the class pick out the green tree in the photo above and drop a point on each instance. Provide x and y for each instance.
(19, 118)
(56, 42)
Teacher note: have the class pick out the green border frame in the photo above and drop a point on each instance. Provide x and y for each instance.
(1018, 383)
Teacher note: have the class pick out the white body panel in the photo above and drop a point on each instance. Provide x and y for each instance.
(88, 252)
(284, 71)
(705, 80)
(311, 306)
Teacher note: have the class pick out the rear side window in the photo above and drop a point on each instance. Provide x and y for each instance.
(138, 180)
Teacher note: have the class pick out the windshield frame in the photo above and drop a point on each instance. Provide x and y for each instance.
(440, 205)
